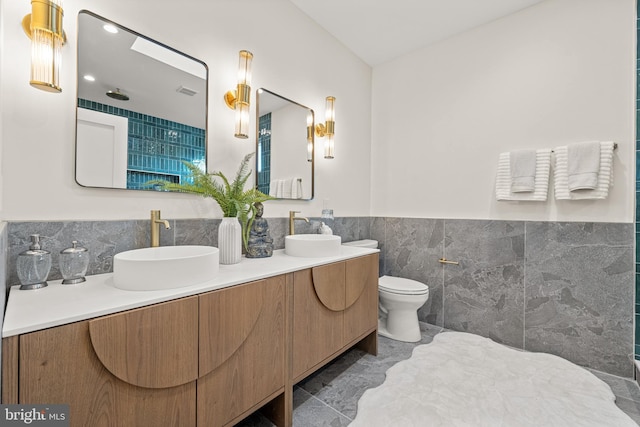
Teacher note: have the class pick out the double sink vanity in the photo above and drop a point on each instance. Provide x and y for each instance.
(164, 351)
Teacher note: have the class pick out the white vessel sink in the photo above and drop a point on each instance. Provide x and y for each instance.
(165, 267)
(312, 245)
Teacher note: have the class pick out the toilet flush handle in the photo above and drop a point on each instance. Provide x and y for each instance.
(446, 261)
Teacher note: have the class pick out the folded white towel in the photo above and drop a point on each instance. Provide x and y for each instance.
(561, 174)
(541, 179)
(300, 190)
(294, 188)
(523, 170)
(583, 165)
(276, 188)
(280, 190)
(273, 187)
(286, 186)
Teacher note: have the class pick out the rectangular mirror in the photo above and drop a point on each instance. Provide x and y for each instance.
(141, 111)
(284, 147)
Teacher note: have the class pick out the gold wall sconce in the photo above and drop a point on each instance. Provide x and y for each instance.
(327, 129)
(240, 99)
(44, 27)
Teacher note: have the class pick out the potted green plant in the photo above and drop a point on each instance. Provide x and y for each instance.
(237, 204)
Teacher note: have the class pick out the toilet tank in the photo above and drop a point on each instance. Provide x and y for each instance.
(367, 243)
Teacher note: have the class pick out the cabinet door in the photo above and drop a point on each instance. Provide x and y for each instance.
(242, 350)
(318, 304)
(60, 365)
(361, 313)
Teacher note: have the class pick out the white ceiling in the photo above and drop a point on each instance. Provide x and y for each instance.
(380, 30)
(150, 82)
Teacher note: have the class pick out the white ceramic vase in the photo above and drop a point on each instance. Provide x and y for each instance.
(230, 241)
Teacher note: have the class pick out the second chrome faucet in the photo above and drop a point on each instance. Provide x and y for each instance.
(155, 227)
(292, 219)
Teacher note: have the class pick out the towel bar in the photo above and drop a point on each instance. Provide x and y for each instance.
(615, 147)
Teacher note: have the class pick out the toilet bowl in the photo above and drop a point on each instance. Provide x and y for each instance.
(398, 303)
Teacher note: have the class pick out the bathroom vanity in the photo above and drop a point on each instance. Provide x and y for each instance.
(204, 355)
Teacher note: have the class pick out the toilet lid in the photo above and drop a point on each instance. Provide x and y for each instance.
(400, 285)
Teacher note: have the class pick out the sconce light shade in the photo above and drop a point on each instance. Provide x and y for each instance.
(327, 129)
(44, 27)
(240, 99)
(310, 137)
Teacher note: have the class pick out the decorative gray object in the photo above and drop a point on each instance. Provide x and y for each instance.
(260, 243)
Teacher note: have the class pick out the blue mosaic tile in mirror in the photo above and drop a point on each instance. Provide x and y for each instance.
(156, 147)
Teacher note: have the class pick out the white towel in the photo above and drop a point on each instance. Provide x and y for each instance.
(300, 191)
(523, 171)
(280, 190)
(296, 188)
(276, 188)
(286, 186)
(273, 187)
(605, 175)
(541, 180)
(583, 165)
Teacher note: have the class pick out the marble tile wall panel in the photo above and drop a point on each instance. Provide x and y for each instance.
(484, 294)
(103, 239)
(579, 295)
(411, 249)
(196, 232)
(377, 229)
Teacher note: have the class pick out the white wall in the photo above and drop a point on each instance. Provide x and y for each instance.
(39, 128)
(559, 72)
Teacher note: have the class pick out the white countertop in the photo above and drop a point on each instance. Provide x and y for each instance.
(57, 304)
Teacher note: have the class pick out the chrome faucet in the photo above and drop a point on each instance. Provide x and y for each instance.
(293, 218)
(155, 228)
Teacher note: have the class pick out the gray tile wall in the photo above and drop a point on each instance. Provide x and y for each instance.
(104, 239)
(562, 288)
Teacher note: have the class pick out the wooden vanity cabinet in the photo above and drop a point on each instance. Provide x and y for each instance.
(242, 350)
(137, 368)
(361, 305)
(205, 360)
(334, 307)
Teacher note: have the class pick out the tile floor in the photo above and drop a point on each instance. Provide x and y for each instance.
(330, 396)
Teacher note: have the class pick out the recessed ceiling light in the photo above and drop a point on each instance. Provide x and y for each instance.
(90, 78)
(109, 28)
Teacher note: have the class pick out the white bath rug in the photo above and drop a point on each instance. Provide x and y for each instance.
(463, 379)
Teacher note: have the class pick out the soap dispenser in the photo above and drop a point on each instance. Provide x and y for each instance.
(327, 213)
(74, 262)
(34, 265)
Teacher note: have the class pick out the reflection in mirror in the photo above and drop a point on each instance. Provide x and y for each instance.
(142, 108)
(284, 159)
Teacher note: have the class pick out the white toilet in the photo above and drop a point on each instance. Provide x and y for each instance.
(399, 301)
